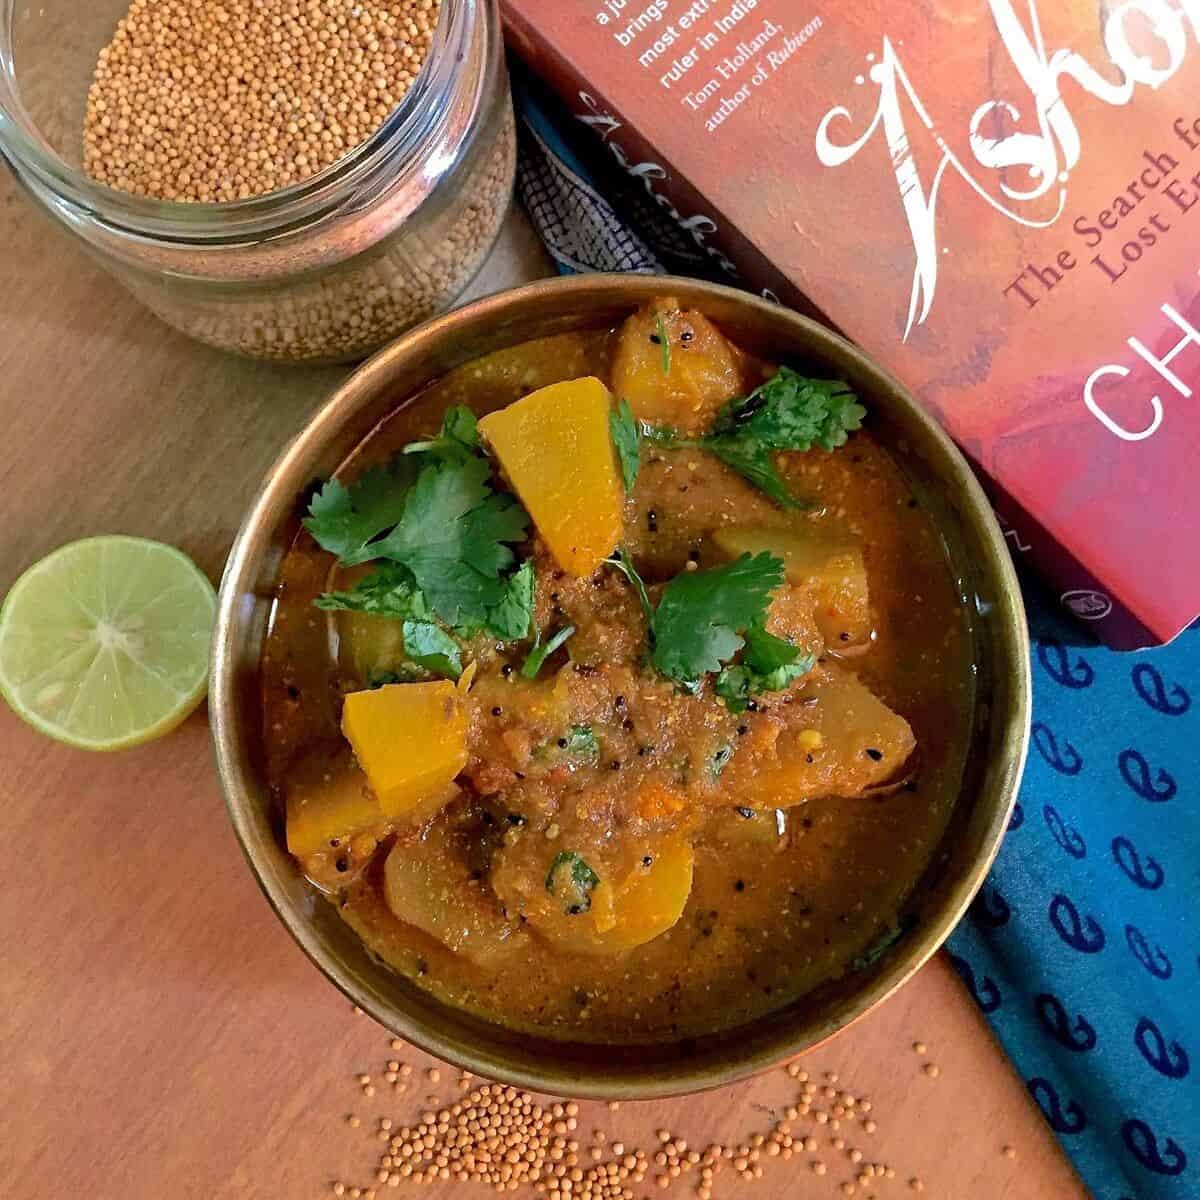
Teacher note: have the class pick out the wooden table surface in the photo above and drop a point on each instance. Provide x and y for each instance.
(160, 1035)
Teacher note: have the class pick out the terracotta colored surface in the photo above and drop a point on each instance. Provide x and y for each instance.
(160, 1036)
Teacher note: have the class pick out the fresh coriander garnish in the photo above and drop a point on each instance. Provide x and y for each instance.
(627, 438)
(389, 591)
(458, 439)
(624, 564)
(704, 618)
(581, 742)
(788, 412)
(378, 679)
(431, 647)
(441, 534)
(513, 616)
(702, 615)
(770, 664)
(345, 520)
(664, 342)
(571, 881)
(536, 658)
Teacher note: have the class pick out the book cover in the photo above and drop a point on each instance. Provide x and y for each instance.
(998, 199)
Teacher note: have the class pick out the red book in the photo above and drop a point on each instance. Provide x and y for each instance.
(997, 199)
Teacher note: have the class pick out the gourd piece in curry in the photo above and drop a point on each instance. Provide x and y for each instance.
(598, 680)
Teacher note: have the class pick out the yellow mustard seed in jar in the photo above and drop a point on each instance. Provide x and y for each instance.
(329, 173)
(194, 100)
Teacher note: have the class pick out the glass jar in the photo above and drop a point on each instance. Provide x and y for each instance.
(325, 270)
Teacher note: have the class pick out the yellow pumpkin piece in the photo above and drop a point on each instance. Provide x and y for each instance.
(839, 740)
(369, 645)
(428, 883)
(328, 800)
(650, 900)
(704, 370)
(831, 570)
(409, 738)
(556, 448)
(622, 916)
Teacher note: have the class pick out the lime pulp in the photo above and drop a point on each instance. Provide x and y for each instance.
(104, 643)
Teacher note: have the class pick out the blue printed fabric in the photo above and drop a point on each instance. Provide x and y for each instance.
(1083, 947)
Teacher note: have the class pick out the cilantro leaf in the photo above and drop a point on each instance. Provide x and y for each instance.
(788, 412)
(628, 440)
(388, 591)
(664, 341)
(571, 881)
(452, 537)
(431, 647)
(378, 679)
(624, 564)
(444, 538)
(766, 653)
(459, 438)
(701, 616)
(793, 412)
(344, 520)
(536, 658)
(770, 664)
(582, 742)
(753, 461)
(489, 531)
(511, 618)
(441, 496)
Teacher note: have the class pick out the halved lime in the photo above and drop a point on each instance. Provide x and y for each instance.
(104, 643)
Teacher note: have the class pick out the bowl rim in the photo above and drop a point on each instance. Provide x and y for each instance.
(286, 479)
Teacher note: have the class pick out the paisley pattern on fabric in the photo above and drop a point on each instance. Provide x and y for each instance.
(1096, 975)
(1083, 949)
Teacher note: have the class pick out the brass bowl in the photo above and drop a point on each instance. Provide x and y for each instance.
(959, 864)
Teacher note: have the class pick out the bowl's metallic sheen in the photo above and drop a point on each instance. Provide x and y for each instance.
(958, 867)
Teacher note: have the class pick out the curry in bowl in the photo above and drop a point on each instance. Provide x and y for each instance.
(618, 688)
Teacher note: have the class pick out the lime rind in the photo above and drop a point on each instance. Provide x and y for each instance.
(104, 644)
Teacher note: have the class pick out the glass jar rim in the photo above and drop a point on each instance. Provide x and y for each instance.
(410, 124)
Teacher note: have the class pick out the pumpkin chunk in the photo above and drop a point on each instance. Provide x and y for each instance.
(829, 569)
(675, 368)
(839, 740)
(556, 448)
(409, 738)
(328, 801)
(428, 883)
(601, 917)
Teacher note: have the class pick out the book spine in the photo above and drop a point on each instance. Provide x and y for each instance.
(1076, 589)
(735, 255)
